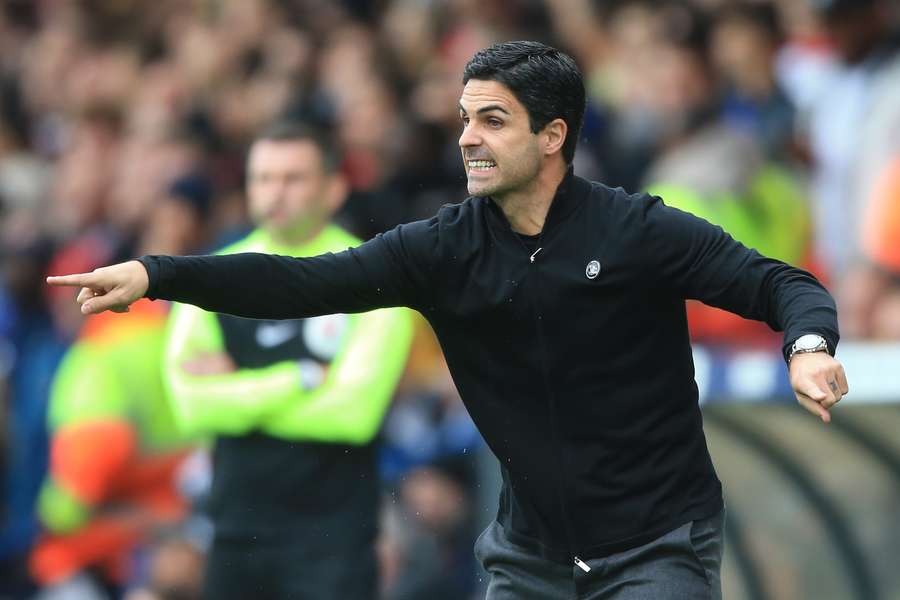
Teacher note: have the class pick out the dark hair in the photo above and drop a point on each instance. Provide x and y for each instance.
(546, 81)
(832, 9)
(762, 17)
(685, 27)
(297, 131)
(195, 190)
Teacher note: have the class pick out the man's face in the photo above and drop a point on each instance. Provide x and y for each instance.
(290, 192)
(500, 153)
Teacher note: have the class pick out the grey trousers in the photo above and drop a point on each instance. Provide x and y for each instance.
(683, 564)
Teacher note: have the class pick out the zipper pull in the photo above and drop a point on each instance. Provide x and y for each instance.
(535, 254)
(582, 565)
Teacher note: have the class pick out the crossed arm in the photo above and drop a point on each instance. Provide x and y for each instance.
(346, 407)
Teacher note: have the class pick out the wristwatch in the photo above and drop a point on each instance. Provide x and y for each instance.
(808, 343)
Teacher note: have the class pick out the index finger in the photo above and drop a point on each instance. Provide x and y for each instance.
(76, 280)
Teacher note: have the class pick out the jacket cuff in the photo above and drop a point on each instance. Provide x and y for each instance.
(151, 264)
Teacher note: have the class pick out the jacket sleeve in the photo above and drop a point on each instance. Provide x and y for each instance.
(349, 405)
(228, 403)
(393, 269)
(703, 262)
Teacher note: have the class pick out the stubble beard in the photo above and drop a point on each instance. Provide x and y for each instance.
(520, 173)
(483, 189)
(512, 183)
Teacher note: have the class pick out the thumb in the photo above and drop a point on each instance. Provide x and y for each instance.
(813, 407)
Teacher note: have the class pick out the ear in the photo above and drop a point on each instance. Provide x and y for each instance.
(554, 135)
(337, 190)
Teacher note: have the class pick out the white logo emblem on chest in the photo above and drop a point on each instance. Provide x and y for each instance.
(592, 269)
(324, 335)
(269, 335)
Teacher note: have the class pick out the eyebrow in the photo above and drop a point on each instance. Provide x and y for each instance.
(485, 109)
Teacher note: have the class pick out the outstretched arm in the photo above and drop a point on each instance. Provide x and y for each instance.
(390, 270)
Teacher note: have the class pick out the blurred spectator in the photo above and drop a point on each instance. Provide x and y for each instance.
(429, 460)
(179, 219)
(24, 181)
(293, 405)
(429, 449)
(85, 170)
(854, 117)
(745, 39)
(34, 346)
(434, 549)
(143, 171)
(115, 450)
(872, 291)
(621, 124)
(427, 425)
(175, 573)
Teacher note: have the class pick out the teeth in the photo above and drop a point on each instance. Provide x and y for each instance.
(481, 164)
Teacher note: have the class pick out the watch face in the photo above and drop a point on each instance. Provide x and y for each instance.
(808, 342)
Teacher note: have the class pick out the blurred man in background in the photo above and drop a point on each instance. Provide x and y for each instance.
(293, 405)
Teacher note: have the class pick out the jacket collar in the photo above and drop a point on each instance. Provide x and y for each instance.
(569, 195)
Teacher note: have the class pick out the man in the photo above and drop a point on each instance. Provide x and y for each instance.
(559, 304)
(293, 405)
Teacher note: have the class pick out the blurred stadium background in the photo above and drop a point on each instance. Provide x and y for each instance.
(123, 127)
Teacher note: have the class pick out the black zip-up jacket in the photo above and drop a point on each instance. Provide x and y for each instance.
(581, 382)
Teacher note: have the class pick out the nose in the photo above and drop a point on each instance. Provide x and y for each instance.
(273, 192)
(278, 187)
(469, 136)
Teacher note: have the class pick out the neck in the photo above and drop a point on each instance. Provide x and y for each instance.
(526, 208)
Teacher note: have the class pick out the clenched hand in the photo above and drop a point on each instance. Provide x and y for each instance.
(819, 382)
(107, 288)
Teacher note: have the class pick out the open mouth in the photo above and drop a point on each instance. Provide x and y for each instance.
(481, 165)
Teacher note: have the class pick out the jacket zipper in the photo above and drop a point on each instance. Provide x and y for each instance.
(561, 490)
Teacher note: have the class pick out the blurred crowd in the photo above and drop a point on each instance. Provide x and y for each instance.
(124, 126)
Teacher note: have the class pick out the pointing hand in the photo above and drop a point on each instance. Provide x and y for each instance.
(108, 288)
